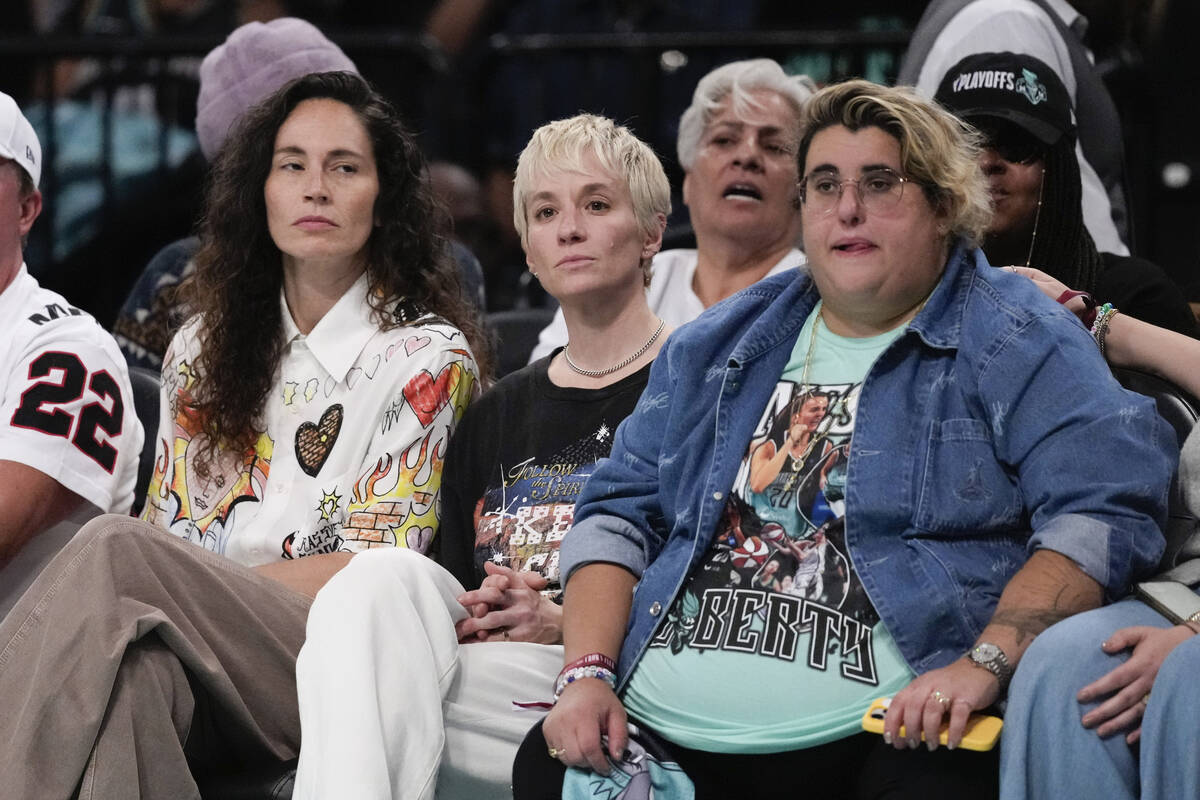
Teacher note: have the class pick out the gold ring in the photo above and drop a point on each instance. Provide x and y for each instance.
(505, 635)
(555, 752)
(942, 699)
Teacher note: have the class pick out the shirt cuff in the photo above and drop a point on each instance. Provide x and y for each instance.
(1109, 557)
(602, 538)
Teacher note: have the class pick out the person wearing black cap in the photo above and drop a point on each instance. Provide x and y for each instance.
(1054, 31)
(1024, 113)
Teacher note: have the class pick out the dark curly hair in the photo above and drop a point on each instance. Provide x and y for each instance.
(239, 270)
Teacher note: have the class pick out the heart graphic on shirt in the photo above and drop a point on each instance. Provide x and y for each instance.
(314, 443)
(418, 538)
(414, 343)
(428, 395)
(359, 372)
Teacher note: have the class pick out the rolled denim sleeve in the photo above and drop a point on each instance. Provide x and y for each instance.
(1094, 460)
(619, 517)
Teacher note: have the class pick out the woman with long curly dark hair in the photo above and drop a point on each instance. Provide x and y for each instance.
(331, 332)
(239, 275)
(306, 411)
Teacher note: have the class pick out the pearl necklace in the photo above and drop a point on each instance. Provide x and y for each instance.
(600, 373)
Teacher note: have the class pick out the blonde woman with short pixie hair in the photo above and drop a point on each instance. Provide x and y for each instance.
(443, 651)
(564, 145)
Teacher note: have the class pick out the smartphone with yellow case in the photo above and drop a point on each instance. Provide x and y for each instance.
(982, 731)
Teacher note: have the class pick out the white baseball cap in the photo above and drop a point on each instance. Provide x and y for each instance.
(17, 139)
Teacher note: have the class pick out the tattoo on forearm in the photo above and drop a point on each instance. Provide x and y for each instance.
(1029, 622)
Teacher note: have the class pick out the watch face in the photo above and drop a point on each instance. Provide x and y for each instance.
(986, 651)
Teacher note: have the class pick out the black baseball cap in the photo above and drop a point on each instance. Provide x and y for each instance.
(1009, 86)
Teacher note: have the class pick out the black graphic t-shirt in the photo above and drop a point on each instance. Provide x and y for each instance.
(516, 465)
(773, 644)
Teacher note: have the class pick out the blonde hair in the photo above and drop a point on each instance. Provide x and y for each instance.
(937, 150)
(562, 145)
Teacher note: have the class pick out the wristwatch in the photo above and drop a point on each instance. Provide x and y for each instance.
(992, 658)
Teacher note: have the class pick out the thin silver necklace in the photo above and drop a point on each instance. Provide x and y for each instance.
(600, 373)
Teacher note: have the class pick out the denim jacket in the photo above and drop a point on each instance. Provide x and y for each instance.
(989, 429)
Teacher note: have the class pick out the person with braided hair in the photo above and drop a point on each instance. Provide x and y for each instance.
(1024, 112)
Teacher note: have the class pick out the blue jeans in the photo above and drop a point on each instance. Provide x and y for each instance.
(1047, 753)
(1170, 729)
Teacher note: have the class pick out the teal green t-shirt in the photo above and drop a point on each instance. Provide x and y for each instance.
(773, 644)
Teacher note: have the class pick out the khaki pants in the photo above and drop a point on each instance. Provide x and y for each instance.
(135, 651)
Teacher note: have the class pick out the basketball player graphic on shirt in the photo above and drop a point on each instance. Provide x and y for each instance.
(783, 529)
(775, 465)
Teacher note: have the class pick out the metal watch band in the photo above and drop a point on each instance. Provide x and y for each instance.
(990, 657)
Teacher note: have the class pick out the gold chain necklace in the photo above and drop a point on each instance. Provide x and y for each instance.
(817, 435)
(1036, 219)
(812, 346)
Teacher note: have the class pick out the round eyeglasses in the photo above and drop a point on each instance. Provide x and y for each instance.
(879, 190)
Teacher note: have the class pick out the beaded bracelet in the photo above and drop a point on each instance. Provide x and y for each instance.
(592, 660)
(1104, 315)
(569, 676)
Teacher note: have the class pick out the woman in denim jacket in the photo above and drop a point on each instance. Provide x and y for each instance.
(998, 479)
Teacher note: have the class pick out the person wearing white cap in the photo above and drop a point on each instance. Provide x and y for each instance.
(69, 435)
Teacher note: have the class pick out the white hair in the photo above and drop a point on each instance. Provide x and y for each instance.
(736, 81)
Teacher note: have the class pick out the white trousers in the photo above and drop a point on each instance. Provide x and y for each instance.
(391, 706)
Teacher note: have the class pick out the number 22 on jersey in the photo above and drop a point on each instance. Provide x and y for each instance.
(47, 405)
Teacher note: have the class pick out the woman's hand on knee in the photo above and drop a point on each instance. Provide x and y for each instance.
(587, 710)
(1129, 684)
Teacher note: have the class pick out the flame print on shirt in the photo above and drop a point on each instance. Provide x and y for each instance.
(393, 503)
(195, 507)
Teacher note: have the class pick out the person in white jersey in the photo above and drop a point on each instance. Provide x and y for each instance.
(69, 434)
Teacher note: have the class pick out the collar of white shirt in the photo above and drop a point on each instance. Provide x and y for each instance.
(340, 336)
